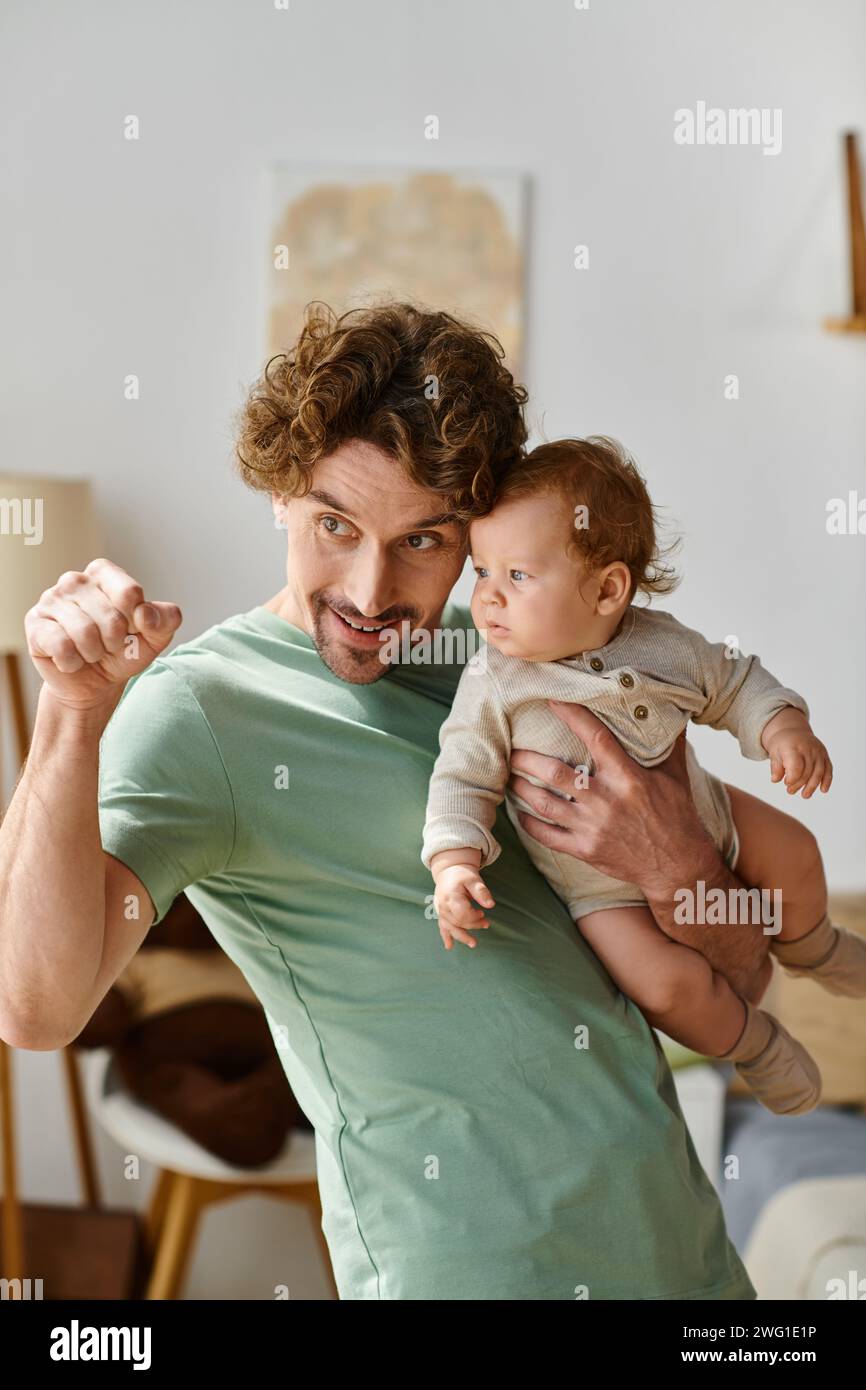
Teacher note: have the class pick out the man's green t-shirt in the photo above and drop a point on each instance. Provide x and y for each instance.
(497, 1123)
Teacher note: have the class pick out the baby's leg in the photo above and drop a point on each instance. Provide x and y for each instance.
(679, 993)
(777, 852)
(675, 987)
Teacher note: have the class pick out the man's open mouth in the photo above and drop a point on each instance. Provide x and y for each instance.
(362, 627)
(367, 633)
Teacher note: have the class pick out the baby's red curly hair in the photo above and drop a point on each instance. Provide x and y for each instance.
(599, 474)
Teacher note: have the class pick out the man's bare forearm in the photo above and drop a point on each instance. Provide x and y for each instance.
(737, 950)
(52, 876)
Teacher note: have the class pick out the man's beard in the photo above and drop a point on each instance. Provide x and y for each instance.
(345, 661)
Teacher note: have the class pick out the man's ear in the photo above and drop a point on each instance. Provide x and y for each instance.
(614, 584)
(278, 505)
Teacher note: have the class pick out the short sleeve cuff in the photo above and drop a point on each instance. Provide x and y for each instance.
(123, 838)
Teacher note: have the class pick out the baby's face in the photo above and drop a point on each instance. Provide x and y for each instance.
(527, 589)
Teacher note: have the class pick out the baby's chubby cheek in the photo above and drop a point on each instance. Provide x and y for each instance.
(475, 608)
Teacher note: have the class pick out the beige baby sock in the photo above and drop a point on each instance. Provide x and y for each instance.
(833, 956)
(776, 1068)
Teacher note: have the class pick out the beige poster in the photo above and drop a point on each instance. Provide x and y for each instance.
(449, 240)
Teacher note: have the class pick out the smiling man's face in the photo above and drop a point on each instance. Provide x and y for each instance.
(367, 548)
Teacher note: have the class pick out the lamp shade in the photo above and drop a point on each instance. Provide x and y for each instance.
(47, 526)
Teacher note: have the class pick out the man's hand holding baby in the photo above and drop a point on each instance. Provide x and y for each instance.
(459, 888)
(796, 754)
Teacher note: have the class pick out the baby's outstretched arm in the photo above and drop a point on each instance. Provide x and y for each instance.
(765, 716)
(458, 882)
(796, 754)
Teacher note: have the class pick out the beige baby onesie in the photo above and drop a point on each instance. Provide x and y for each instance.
(645, 685)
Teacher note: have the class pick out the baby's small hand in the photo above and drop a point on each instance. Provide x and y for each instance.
(801, 758)
(456, 887)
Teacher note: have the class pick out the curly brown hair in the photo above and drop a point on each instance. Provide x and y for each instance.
(426, 387)
(598, 473)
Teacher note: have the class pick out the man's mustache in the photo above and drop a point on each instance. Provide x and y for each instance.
(385, 619)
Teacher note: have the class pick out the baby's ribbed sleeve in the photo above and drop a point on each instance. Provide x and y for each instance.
(470, 774)
(742, 695)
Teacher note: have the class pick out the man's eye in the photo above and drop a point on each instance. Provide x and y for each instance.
(425, 542)
(331, 523)
(519, 574)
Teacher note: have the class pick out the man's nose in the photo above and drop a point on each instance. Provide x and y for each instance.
(369, 585)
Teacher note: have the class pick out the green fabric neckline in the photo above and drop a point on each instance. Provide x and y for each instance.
(281, 627)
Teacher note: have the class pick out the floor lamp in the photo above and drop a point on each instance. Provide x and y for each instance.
(47, 526)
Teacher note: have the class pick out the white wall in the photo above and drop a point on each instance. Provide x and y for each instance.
(146, 258)
(704, 261)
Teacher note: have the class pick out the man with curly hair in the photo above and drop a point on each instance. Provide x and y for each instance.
(470, 1144)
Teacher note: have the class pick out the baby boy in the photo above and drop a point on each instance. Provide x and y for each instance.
(568, 547)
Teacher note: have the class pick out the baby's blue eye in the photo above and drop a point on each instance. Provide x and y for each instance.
(516, 573)
(480, 571)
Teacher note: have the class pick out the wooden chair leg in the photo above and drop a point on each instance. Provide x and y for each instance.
(175, 1206)
(175, 1238)
(81, 1129)
(13, 1241)
(155, 1215)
